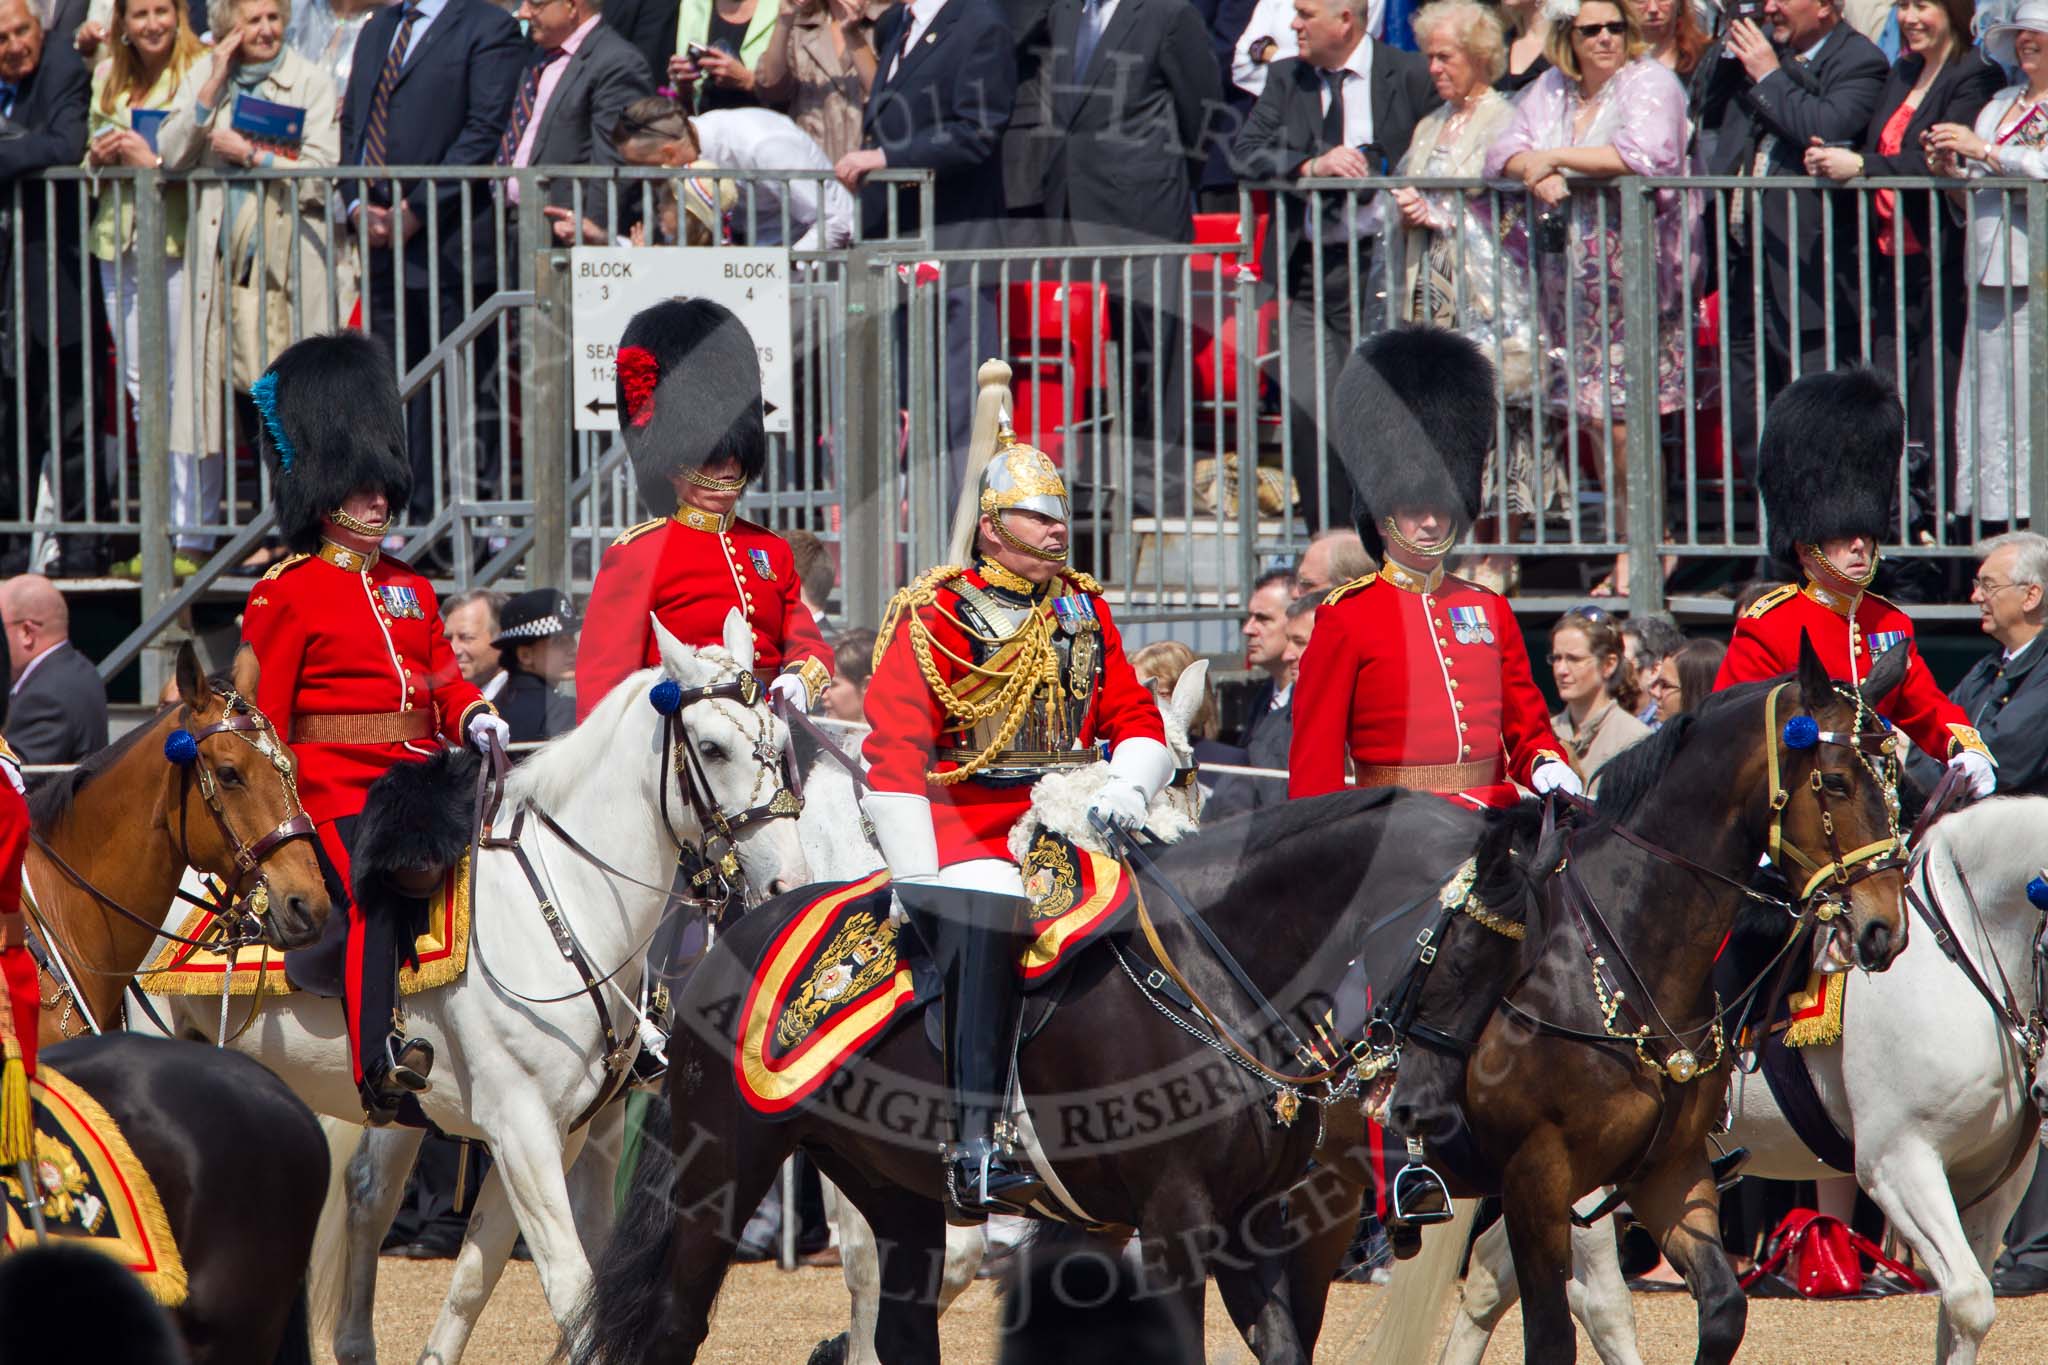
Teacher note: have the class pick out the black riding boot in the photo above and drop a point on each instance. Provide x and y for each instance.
(393, 1065)
(974, 938)
(1419, 1195)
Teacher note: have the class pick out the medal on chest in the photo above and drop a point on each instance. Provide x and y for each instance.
(1076, 619)
(1883, 640)
(1470, 626)
(401, 602)
(762, 567)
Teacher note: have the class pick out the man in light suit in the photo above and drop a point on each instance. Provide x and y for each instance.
(1346, 107)
(57, 707)
(1134, 85)
(432, 84)
(945, 84)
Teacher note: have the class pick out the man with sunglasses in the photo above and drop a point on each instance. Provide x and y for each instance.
(1828, 460)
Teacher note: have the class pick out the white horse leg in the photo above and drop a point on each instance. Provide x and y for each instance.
(1490, 1290)
(1984, 1227)
(862, 1267)
(1907, 1180)
(1598, 1292)
(593, 1176)
(375, 1183)
(327, 1267)
(966, 1248)
(529, 1159)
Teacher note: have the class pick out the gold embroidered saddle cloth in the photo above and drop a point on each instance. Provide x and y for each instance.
(179, 969)
(831, 980)
(92, 1188)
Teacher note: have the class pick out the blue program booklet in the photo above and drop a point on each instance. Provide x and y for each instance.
(148, 122)
(269, 121)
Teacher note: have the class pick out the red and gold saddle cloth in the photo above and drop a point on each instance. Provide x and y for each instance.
(93, 1189)
(832, 981)
(1815, 1013)
(180, 969)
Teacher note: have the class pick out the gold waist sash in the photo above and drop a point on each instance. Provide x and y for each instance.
(1430, 777)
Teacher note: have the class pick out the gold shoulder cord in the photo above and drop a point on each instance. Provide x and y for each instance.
(1036, 663)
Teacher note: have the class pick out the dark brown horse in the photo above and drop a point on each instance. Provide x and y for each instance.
(113, 837)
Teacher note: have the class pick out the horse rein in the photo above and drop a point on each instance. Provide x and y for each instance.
(710, 868)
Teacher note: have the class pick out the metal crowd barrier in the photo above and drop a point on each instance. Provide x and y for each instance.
(1161, 376)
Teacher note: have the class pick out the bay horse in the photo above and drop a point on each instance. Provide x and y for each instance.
(1930, 1083)
(112, 839)
(240, 1164)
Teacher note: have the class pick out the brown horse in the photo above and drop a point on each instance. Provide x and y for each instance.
(113, 837)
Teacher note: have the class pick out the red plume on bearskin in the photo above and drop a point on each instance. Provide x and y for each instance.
(639, 373)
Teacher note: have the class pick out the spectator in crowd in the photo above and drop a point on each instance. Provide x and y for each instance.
(133, 90)
(1346, 107)
(1133, 83)
(1268, 37)
(1269, 724)
(44, 90)
(816, 576)
(578, 83)
(818, 67)
(1671, 34)
(2010, 138)
(257, 230)
(432, 85)
(324, 32)
(946, 83)
(853, 663)
(1650, 639)
(814, 213)
(1661, 692)
(1528, 26)
(1939, 78)
(1332, 559)
(1763, 102)
(1159, 666)
(650, 26)
(1699, 665)
(536, 644)
(1598, 686)
(1029, 138)
(57, 706)
(2005, 694)
(470, 621)
(718, 45)
(1604, 110)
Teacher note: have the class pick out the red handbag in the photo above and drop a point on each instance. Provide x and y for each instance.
(1825, 1255)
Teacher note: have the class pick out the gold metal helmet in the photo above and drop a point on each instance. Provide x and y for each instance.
(1004, 474)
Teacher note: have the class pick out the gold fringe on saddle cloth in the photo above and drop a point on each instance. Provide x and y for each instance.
(93, 1190)
(1816, 1018)
(178, 969)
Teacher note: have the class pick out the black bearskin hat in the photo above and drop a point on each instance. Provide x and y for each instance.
(332, 424)
(1412, 418)
(689, 393)
(1828, 461)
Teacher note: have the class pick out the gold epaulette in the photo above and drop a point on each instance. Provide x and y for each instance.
(281, 565)
(921, 593)
(632, 533)
(1082, 582)
(1344, 590)
(1775, 597)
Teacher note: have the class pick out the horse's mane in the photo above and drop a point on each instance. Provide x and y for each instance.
(1627, 779)
(50, 796)
(547, 777)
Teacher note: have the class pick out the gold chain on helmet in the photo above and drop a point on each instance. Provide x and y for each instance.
(716, 485)
(1819, 557)
(1436, 550)
(356, 524)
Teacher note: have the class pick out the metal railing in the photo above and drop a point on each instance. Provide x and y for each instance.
(1185, 388)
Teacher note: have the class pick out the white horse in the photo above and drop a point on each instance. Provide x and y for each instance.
(1929, 1085)
(521, 1052)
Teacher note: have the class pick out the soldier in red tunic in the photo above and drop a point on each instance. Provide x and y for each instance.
(990, 673)
(1826, 467)
(356, 673)
(690, 411)
(1420, 677)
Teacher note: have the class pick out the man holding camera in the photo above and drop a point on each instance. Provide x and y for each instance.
(1784, 75)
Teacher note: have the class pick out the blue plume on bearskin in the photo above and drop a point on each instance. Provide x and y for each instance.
(415, 825)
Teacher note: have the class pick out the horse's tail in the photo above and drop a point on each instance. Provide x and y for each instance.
(1415, 1298)
(326, 1267)
(295, 1347)
(628, 1299)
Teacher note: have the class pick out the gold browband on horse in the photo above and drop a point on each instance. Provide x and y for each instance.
(1872, 858)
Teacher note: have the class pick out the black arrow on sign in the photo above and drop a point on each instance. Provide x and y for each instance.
(767, 408)
(595, 408)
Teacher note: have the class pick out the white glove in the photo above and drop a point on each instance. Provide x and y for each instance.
(1977, 770)
(482, 726)
(1138, 769)
(1553, 775)
(903, 832)
(791, 686)
(1120, 804)
(13, 771)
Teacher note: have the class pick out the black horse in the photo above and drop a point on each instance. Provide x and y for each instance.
(1145, 1125)
(241, 1166)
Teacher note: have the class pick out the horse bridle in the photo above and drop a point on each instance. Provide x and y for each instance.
(710, 869)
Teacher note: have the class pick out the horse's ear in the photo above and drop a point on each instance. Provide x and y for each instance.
(1816, 688)
(1886, 674)
(676, 657)
(739, 640)
(246, 674)
(1189, 691)
(192, 686)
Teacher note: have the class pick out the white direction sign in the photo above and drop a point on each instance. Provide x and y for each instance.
(610, 284)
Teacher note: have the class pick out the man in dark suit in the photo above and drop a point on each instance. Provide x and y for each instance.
(44, 89)
(578, 81)
(1763, 100)
(1346, 107)
(945, 84)
(1269, 723)
(432, 84)
(1134, 85)
(57, 707)
(650, 26)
